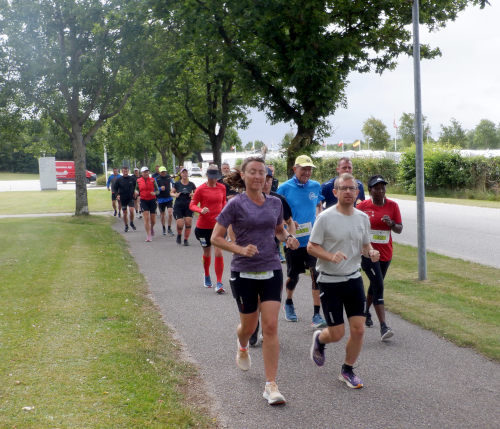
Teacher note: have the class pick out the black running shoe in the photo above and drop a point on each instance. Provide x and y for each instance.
(132, 226)
(119, 214)
(186, 243)
(255, 336)
(126, 228)
(164, 232)
(170, 232)
(178, 239)
(115, 213)
(385, 332)
(369, 321)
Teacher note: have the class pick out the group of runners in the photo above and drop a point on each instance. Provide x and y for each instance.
(329, 231)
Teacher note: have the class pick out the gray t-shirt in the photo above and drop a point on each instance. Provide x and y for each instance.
(335, 232)
(253, 224)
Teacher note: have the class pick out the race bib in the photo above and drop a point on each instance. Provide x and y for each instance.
(262, 275)
(203, 241)
(380, 236)
(303, 230)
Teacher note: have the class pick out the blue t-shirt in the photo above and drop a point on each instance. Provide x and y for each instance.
(331, 200)
(303, 201)
(111, 181)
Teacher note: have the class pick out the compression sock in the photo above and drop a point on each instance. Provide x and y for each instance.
(316, 309)
(206, 264)
(219, 268)
(289, 301)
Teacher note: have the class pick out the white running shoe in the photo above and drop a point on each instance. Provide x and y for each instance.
(243, 359)
(273, 395)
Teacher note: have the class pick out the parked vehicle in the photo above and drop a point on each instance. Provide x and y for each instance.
(65, 172)
(195, 171)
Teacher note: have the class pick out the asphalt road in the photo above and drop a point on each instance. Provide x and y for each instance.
(416, 380)
(465, 232)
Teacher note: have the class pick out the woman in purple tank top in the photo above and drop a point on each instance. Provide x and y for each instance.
(256, 275)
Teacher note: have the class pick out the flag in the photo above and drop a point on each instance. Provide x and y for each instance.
(356, 143)
(324, 143)
(232, 147)
(341, 142)
(394, 123)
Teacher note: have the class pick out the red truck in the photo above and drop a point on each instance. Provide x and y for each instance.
(65, 172)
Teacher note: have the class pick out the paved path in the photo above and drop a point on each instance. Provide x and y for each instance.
(416, 380)
(465, 232)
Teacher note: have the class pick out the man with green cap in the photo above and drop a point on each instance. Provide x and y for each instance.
(304, 197)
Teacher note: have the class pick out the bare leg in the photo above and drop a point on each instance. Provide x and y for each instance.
(147, 223)
(271, 346)
(170, 217)
(248, 323)
(132, 214)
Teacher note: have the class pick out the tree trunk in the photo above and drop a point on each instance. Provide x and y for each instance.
(79, 156)
(216, 142)
(198, 155)
(302, 139)
(164, 156)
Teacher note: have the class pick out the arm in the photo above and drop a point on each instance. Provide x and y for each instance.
(290, 224)
(395, 227)
(136, 191)
(318, 252)
(173, 192)
(218, 240)
(107, 183)
(284, 236)
(370, 252)
(319, 208)
(193, 205)
(157, 190)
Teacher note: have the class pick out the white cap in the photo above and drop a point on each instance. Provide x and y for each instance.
(143, 169)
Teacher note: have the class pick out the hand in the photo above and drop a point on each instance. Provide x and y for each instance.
(205, 210)
(177, 195)
(109, 189)
(338, 257)
(296, 225)
(387, 220)
(249, 251)
(118, 198)
(152, 193)
(292, 243)
(374, 255)
(162, 188)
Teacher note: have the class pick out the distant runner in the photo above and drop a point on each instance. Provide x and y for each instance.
(147, 188)
(165, 200)
(183, 191)
(110, 185)
(124, 187)
(137, 199)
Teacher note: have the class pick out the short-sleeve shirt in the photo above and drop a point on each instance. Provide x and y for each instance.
(183, 200)
(212, 197)
(253, 224)
(303, 201)
(336, 232)
(380, 233)
(164, 196)
(331, 200)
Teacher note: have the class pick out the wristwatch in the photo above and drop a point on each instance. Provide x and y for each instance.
(288, 236)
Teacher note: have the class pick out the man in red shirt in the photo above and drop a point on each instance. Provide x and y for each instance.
(211, 197)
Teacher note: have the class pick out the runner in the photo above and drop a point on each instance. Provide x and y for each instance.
(137, 199)
(183, 190)
(165, 200)
(110, 185)
(304, 197)
(385, 218)
(255, 268)
(276, 182)
(226, 171)
(211, 196)
(156, 174)
(338, 238)
(290, 227)
(124, 188)
(147, 188)
(344, 165)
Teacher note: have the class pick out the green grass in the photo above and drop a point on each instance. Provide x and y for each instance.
(81, 343)
(36, 202)
(18, 176)
(459, 301)
(458, 201)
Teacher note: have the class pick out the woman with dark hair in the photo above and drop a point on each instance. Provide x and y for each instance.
(183, 191)
(385, 218)
(256, 273)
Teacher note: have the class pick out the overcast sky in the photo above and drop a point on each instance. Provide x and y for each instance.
(464, 83)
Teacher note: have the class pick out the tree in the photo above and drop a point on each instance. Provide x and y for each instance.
(254, 145)
(375, 133)
(485, 135)
(406, 130)
(295, 56)
(231, 140)
(453, 134)
(76, 60)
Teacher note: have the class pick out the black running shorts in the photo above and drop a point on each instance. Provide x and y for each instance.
(246, 292)
(163, 206)
(181, 213)
(297, 261)
(203, 236)
(337, 296)
(148, 206)
(126, 203)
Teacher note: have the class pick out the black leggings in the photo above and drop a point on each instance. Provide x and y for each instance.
(375, 271)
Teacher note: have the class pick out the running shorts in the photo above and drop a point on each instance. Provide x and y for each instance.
(246, 292)
(148, 206)
(126, 203)
(113, 196)
(297, 261)
(163, 206)
(181, 213)
(337, 296)
(203, 236)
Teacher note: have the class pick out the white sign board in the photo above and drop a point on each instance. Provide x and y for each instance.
(48, 179)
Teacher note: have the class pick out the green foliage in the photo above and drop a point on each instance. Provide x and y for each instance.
(453, 134)
(257, 145)
(406, 130)
(279, 168)
(376, 130)
(486, 135)
(101, 180)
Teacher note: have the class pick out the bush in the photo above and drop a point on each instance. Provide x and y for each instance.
(101, 180)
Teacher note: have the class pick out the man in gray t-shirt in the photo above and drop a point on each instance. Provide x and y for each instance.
(338, 238)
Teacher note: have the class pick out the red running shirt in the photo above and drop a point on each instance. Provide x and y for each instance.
(212, 197)
(375, 213)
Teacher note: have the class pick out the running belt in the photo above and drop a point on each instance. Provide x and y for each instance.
(338, 275)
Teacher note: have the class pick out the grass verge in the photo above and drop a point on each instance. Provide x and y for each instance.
(82, 345)
(4, 176)
(35, 202)
(459, 301)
